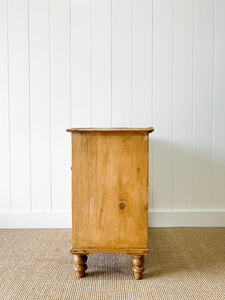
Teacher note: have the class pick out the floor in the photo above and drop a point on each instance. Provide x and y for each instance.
(184, 263)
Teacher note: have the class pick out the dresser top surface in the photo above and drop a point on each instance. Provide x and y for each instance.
(149, 129)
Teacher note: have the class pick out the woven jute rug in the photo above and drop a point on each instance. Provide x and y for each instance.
(184, 263)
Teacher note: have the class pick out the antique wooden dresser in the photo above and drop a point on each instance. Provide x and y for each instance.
(110, 194)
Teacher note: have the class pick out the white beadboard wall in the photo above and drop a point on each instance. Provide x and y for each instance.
(112, 63)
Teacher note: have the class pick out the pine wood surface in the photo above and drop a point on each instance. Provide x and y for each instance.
(109, 190)
(110, 194)
(150, 129)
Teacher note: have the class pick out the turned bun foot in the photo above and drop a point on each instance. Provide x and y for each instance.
(80, 265)
(138, 262)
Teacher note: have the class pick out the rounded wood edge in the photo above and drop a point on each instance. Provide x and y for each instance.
(132, 251)
(80, 264)
(147, 130)
(138, 266)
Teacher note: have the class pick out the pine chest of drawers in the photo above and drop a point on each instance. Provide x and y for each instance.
(110, 194)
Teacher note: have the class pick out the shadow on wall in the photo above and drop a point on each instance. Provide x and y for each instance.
(186, 178)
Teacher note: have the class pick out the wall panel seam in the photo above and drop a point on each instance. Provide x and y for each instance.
(29, 95)
(152, 113)
(70, 69)
(172, 118)
(151, 119)
(213, 98)
(193, 80)
(91, 68)
(111, 95)
(50, 101)
(132, 64)
(9, 114)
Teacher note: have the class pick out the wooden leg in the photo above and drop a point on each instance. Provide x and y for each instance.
(138, 262)
(80, 265)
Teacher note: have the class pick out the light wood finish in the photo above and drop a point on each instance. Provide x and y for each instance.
(110, 178)
(110, 191)
(150, 129)
(112, 250)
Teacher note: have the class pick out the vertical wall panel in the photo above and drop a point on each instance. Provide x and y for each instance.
(81, 62)
(4, 111)
(142, 62)
(60, 103)
(132, 63)
(121, 63)
(40, 104)
(19, 104)
(101, 63)
(182, 104)
(202, 103)
(219, 107)
(142, 71)
(163, 104)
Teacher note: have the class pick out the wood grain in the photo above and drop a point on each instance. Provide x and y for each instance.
(109, 190)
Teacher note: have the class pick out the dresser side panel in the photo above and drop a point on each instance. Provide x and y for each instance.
(109, 190)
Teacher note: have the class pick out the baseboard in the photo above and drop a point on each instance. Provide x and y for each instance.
(62, 219)
(186, 219)
(59, 219)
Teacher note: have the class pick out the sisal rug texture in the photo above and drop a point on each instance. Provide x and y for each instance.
(184, 263)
